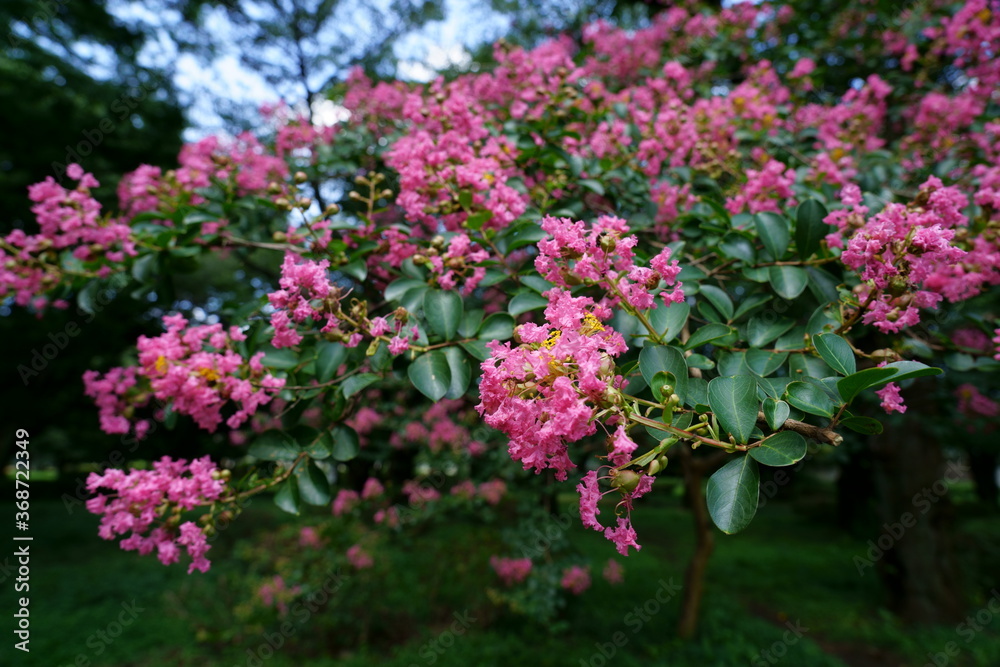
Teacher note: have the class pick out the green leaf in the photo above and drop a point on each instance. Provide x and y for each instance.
(396, 289)
(775, 412)
(280, 359)
(781, 449)
(526, 301)
(321, 448)
(314, 487)
(865, 425)
(855, 383)
(287, 497)
(773, 231)
(810, 228)
(907, 370)
(430, 374)
(471, 321)
(706, 334)
(356, 383)
(736, 246)
(443, 310)
(145, 268)
(357, 269)
(702, 362)
(460, 370)
(732, 494)
(669, 320)
(329, 357)
(719, 299)
(750, 303)
(836, 352)
(765, 362)
(761, 330)
(656, 358)
(344, 444)
(498, 326)
(809, 398)
(660, 380)
(592, 185)
(273, 445)
(788, 281)
(477, 348)
(734, 402)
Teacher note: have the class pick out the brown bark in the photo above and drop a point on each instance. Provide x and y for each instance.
(919, 569)
(695, 470)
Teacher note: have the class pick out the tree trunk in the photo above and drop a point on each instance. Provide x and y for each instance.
(917, 563)
(694, 579)
(983, 460)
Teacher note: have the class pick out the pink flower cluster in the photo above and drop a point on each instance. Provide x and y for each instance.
(69, 222)
(575, 579)
(275, 593)
(458, 265)
(613, 572)
(511, 570)
(303, 296)
(603, 255)
(972, 403)
(899, 253)
(766, 189)
(194, 369)
(622, 534)
(359, 558)
(147, 504)
(545, 392)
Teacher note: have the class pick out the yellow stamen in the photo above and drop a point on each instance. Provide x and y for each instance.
(209, 374)
(161, 364)
(591, 325)
(551, 341)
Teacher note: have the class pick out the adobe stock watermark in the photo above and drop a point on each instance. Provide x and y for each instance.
(300, 613)
(922, 501)
(774, 653)
(99, 641)
(967, 629)
(635, 621)
(434, 649)
(57, 341)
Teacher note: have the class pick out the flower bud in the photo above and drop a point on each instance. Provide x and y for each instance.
(300, 177)
(625, 480)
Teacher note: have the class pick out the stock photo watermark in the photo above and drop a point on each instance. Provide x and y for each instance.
(922, 501)
(634, 621)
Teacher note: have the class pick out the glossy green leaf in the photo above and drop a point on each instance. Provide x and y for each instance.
(810, 398)
(287, 497)
(344, 443)
(719, 299)
(669, 320)
(781, 449)
(313, 486)
(526, 301)
(865, 425)
(356, 383)
(707, 334)
(443, 310)
(788, 281)
(734, 402)
(836, 352)
(774, 233)
(273, 445)
(775, 412)
(855, 383)
(476, 348)
(498, 326)
(280, 359)
(656, 358)
(395, 290)
(460, 370)
(431, 374)
(660, 380)
(731, 494)
(765, 362)
(762, 329)
(329, 357)
(810, 228)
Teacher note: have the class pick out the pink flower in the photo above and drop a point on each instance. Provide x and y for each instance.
(372, 489)
(359, 558)
(891, 399)
(511, 570)
(575, 579)
(613, 572)
(345, 501)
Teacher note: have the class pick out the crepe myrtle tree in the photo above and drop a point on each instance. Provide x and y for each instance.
(641, 245)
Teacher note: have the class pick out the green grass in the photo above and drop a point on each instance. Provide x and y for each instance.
(789, 566)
